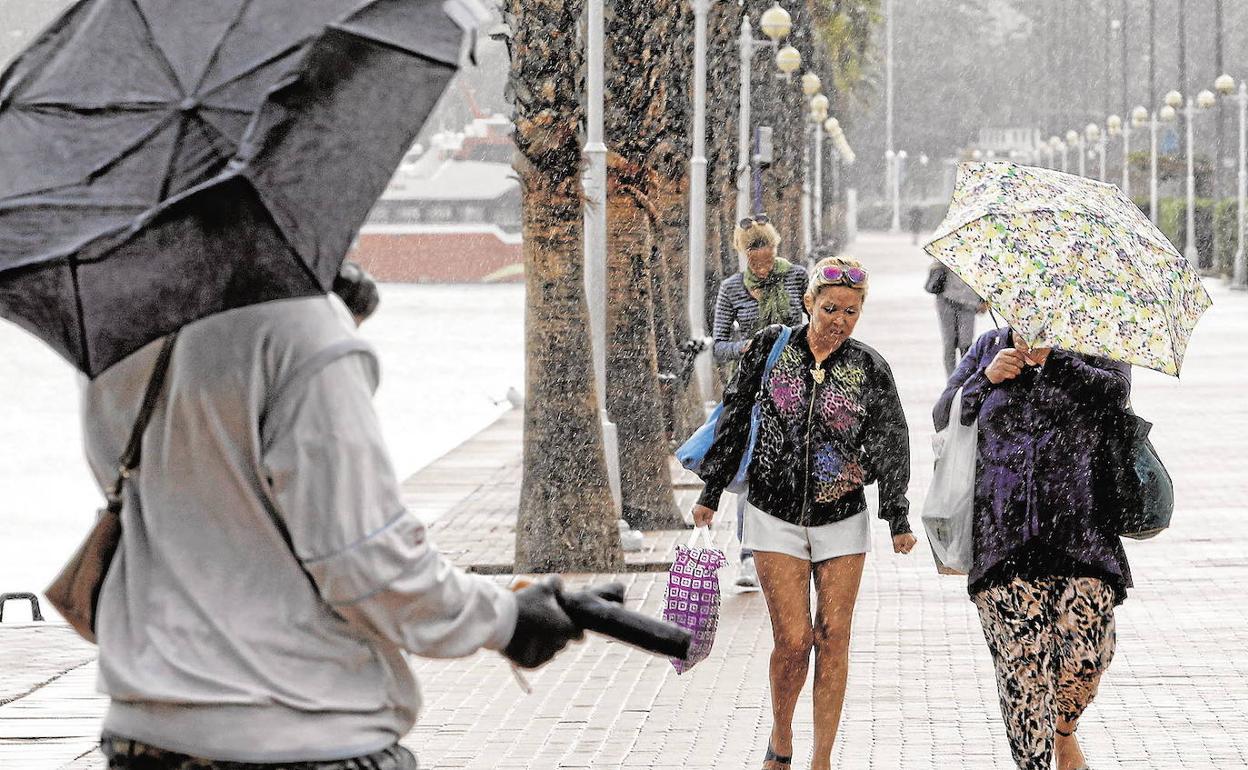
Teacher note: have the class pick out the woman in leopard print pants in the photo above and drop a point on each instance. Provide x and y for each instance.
(1046, 575)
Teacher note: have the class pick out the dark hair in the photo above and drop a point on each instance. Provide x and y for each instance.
(357, 289)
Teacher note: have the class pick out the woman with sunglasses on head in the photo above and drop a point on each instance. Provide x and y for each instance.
(768, 291)
(830, 424)
(1046, 575)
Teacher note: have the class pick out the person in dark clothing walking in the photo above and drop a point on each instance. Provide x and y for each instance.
(769, 291)
(831, 423)
(1045, 575)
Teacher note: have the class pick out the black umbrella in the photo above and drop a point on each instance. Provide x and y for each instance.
(161, 161)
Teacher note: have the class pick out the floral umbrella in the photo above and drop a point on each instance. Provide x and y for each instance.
(1071, 263)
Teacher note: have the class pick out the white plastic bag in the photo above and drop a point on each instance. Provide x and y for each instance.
(948, 510)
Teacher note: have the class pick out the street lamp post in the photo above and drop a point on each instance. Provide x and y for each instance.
(1140, 116)
(596, 238)
(1097, 139)
(1189, 250)
(697, 200)
(1225, 85)
(1057, 145)
(897, 166)
(1204, 100)
(891, 171)
(1075, 141)
(776, 24)
(1113, 124)
(1239, 277)
(819, 113)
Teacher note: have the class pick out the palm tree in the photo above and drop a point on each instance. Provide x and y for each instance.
(670, 159)
(566, 520)
(636, 114)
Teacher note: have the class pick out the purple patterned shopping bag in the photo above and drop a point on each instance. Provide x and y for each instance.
(693, 596)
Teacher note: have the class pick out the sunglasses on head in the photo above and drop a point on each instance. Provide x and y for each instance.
(757, 219)
(848, 275)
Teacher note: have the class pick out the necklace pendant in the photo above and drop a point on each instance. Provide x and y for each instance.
(818, 374)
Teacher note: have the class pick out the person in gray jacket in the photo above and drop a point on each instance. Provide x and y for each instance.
(957, 304)
(269, 577)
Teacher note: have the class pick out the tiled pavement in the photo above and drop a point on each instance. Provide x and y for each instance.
(921, 688)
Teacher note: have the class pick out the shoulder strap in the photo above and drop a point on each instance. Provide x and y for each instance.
(776, 349)
(134, 447)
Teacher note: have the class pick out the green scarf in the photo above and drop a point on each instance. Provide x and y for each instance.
(774, 304)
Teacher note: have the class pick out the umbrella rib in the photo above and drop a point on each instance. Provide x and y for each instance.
(163, 60)
(173, 159)
(54, 108)
(82, 321)
(216, 50)
(255, 67)
(133, 147)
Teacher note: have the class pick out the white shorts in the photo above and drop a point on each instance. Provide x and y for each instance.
(764, 532)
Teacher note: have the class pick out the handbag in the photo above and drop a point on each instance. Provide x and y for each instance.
(949, 508)
(1136, 491)
(693, 596)
(693, 451)
(75, 592)
(936, 274)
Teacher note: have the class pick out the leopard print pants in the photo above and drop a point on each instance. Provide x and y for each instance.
(1051, 639)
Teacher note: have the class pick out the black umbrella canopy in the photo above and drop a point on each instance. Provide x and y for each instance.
(161, 160)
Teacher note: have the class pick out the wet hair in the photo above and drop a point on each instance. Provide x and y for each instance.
(357, 290)
(757, 236)
(817, 281)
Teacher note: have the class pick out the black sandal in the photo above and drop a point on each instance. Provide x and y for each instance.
(772, 756)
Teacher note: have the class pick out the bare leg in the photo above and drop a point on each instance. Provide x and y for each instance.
(836, 582)
(785, 581)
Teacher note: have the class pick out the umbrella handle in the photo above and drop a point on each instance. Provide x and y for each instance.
(993, 315)
(598, 610)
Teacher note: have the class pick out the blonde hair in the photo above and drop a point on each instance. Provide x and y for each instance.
(742, 239)
(817, 281)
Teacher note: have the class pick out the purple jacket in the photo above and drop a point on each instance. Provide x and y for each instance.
(1039, 435)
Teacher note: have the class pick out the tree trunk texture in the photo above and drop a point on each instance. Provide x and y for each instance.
(633, 398)
(671, 275)
(639, 116)
(566, 520)
(670, 159)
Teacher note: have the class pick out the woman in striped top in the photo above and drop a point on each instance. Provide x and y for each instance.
(769, 291)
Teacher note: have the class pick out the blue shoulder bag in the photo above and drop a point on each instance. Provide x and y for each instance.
(693, 451)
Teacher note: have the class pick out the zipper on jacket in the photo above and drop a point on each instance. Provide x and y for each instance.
(806, 470)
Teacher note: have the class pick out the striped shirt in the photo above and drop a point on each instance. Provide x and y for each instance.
(736, 312)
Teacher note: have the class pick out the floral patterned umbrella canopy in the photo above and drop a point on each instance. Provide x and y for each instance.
(1071, 263)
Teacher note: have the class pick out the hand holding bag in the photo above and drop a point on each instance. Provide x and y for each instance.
(75, 592)
(693, 451)
(693, 597)
(949, 508)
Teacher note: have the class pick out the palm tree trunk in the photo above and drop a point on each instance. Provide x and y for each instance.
(639, 33)
(633, 398)
(566, 520)
(671, 290)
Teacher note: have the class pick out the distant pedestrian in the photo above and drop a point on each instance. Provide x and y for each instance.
(1046, 574)
(769, 291)
(357, 290)
(831, 423)
(957, 304)
(915, 214)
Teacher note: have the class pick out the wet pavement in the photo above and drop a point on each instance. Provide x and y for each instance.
(921, 691)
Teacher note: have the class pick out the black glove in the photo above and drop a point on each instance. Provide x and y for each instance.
(542, 627)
